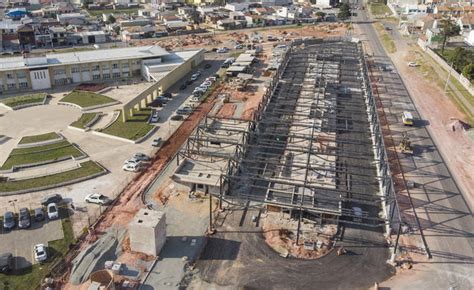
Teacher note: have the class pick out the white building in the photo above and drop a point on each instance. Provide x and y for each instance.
(55, 70)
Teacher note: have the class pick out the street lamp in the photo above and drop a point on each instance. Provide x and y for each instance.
(12, 202)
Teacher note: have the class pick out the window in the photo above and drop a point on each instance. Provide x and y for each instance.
(23, 85)
(21, 75)
(10, 76)
(59, 72)
(85, 68)
(75, 69)
(95, 68)
(115, 65)
(116, 75)
(106, 76)
(96, 77)
(11, 86)
(105, 67)
(125, 65)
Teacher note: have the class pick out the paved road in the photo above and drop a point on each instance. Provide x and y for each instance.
(445, 217)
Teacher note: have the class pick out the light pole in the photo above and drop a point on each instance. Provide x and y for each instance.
(13, 202)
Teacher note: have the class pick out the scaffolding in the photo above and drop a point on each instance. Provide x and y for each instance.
(313, 148)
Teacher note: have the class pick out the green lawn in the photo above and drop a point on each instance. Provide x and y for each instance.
(134, 128)
(87, 168)
(44, 153)
(86, 99)
(115, 11)
(30, 278)
(39, 138)
(23, 100)
(85, 119)
(379, 9)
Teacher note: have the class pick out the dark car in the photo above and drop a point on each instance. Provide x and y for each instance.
(167, 95)
(188, 82)
(9, 220)
(208, 65)
(183, 87)
(24, 218)
(6, 262)
(39, 214)
(53, 198)
(177, 118)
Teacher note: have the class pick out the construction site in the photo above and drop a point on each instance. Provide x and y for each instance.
(311, 153)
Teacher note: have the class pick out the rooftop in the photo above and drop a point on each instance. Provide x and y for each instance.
(82, 57)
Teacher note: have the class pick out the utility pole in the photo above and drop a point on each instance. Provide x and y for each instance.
(447, 79)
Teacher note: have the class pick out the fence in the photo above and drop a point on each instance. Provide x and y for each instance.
(463, 80)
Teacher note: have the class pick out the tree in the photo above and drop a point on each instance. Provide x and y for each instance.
(448, 29)
(344, 11)
(111, 19)
(117, 29)
(320, 14)
(468, 72)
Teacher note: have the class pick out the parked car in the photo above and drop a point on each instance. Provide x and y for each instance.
(156, 142)
(177, 118)
(188, 82)
(132, 161)
(412, 64)
(239, 46)
(9, 220)
(183, 87)
(207, 66)
(24, 218)
(98, 198)
(132, 167)
(168, 95)
(222, 50)
(162, 99)
(184, 110)
(154, 118)
(141, 157)
(6, 262)
(53, 198)
(40, 253)
(52, 211)
(39, 214)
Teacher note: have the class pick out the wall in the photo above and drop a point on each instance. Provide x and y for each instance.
(464, 81)
(42, 81)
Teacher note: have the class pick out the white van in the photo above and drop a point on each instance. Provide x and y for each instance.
(407, 118)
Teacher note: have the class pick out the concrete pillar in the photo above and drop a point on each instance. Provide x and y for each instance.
(131, 112)
(154, 95)
(143, 103)
(150, 98)
(124, 116)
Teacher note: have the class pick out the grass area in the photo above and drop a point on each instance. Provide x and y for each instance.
(114, 11)
(135, 127)
(85, 119)
(379, 9)
(44, 153)
(426, 69)
(39, 138)
(86, 99)
(385, 38)
(31, 277)
(23, 100)
(87, 168)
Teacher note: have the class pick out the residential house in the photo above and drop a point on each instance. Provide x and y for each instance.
(72, 19)
(466, 23)
(26, 37)
(453, 11)
(244, 6)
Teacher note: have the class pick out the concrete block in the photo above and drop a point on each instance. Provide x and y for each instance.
(148, 232)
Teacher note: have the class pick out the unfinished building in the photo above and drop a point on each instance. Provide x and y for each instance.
(312, 150)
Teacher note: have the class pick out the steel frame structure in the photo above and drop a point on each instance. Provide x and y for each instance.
(313, 147)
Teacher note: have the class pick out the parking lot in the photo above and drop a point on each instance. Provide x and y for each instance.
(99, 149)
(20, 242)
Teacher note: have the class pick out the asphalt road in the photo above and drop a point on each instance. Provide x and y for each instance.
(445, 218)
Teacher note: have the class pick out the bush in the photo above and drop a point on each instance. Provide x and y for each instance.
(468, 72)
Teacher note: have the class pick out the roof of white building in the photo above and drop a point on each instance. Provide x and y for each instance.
(12, 63)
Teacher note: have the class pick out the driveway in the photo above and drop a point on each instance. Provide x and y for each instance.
(20, 242)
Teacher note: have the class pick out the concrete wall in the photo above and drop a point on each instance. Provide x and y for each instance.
(147, 232)
(151, 93)
(464, 81)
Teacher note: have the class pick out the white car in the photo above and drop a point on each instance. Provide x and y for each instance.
(132, 161)
(97, 198)
(52, 211)
(40, 253)
(154, 119)
(141, 157)
(132, 167)
(412, 64)
(156, 142)
(194, 77)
